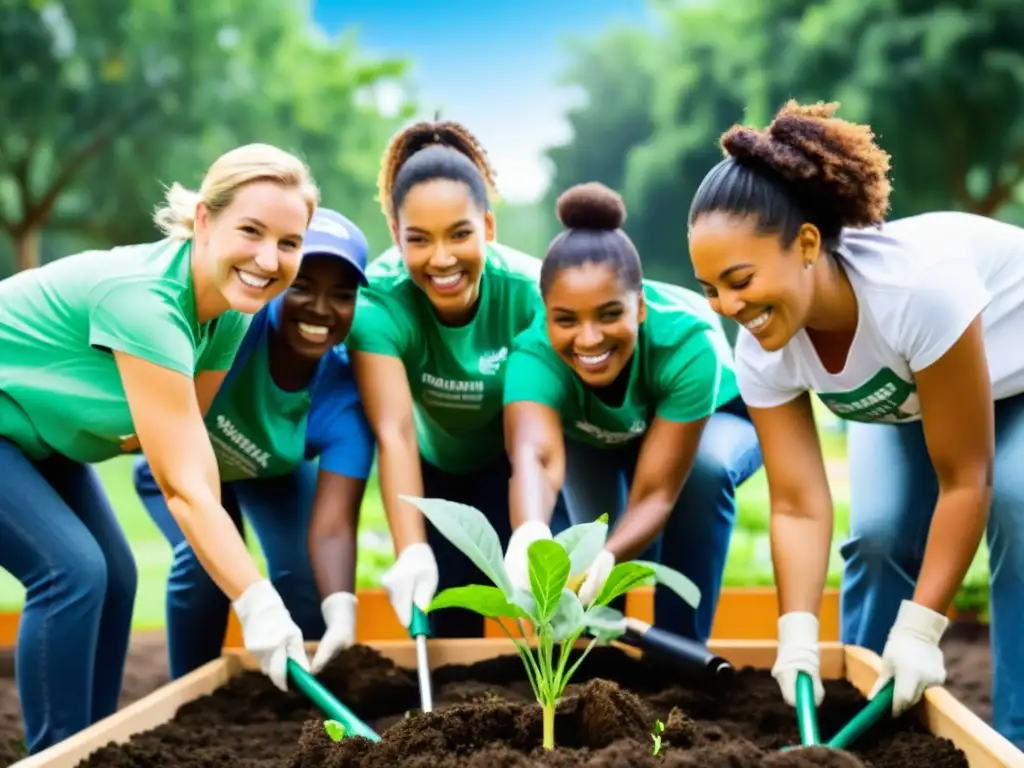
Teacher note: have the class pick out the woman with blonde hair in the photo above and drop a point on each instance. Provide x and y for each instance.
(103, 351)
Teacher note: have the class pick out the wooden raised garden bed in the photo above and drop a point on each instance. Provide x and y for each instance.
(225, 714)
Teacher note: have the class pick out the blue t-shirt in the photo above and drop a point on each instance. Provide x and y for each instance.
(259, 430)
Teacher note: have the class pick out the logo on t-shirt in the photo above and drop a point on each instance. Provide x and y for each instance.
(636, 429)
(490, 362)
(885, 397)
(241, 444)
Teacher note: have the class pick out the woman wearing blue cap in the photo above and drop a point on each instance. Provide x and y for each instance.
(288, 399)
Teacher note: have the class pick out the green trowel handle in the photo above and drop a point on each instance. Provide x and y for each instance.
(874, 711)
(328, 704)
(420, 624)
(806, 710)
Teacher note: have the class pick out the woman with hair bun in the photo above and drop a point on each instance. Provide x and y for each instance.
(429, 350)
(624, 393)
(910, 330)
(104, 351)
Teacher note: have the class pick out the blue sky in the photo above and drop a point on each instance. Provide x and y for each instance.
(491, 65)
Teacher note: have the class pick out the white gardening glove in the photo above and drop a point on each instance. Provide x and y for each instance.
(412, 579)
(516, 562)
(269, 633)
(339, 611)
(798, 652)
(912, 655)
(597, 575)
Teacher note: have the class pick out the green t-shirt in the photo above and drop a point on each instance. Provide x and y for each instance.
(682, 370)
(456, 375)
(60, 390)
(256, 428)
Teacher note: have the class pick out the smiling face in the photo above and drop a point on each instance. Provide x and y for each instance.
(750, 278)
(442, 232)
(252, 247)
(320, 305)
(593, 321)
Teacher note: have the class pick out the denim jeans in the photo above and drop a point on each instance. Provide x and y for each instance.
(59, 537)
(893, 491)
(487, 490)
(278, 509)
(695, 540)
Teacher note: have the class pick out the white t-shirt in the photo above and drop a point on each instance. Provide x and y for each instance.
(919, 283)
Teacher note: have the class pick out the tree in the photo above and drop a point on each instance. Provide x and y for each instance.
(616, 77)
(111, 99)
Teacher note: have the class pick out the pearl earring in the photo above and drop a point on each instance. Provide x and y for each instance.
(807, 265)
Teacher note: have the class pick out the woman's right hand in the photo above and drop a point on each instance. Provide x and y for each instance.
(269, 632)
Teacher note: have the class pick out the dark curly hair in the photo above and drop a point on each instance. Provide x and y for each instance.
(425, 151)
(592, 215)
(806, 167)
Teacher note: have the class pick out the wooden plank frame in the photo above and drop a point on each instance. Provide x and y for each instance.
(940, 712)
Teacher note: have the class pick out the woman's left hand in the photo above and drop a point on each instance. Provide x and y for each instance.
(339, 612)
(912, 656)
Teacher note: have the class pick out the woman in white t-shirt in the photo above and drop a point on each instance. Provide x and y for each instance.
(912, 331)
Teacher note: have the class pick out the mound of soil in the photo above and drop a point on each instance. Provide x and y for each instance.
(485, 717)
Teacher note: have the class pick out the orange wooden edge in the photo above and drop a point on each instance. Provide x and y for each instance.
(743, 613)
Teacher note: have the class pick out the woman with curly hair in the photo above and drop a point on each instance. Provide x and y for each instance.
(432, 335)
(910, 330)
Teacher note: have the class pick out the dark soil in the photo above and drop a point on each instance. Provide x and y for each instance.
(485, 717)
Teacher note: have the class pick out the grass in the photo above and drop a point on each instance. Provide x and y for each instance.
(749, 561)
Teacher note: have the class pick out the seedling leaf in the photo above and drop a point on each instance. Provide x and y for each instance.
(487, 601)
(675, 581)
(568, 617)
(604, 623)
(584, 542)
(334, 729)
(623, 577)
(471, 532)
(549, 569)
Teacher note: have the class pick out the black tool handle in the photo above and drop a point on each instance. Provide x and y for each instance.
(684, 653)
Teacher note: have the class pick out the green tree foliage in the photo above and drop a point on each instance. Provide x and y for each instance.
(941, 84)
(107, 101)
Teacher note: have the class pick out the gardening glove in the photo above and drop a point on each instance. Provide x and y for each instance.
(798, 652)
(912, 655)
(269, 633)
(516, 563)
(412, 579)
(339, 611)
(597, 575)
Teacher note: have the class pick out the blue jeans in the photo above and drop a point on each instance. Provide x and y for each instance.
(197, 610)
(893, 491)
(487, 490)
(60, 538)
(695, 540)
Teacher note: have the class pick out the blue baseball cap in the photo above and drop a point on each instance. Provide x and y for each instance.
(332, 234)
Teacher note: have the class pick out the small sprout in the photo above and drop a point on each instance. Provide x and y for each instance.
(659, 728)
(556, 569)
(334, 729)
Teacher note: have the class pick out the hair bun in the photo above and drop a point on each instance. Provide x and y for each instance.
(591, 206)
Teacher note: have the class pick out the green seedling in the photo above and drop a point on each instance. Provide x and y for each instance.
(334, 729)
(659, 728)
(557, 615)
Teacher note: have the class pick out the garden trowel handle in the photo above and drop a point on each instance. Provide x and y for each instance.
(873, 711)
(327, 703)
(684, 653)
(419, 630)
